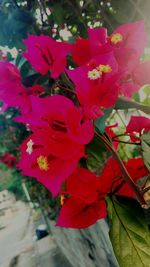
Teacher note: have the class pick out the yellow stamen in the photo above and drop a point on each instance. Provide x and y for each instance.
(29, 149)
(42, 162)
(94, 74)
(104, 68)
(116, 38)
(62, 200)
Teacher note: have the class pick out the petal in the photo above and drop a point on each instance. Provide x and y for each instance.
(76, 214)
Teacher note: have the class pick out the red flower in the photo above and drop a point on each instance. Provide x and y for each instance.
(12, 92)
(46, 54)
(49, 161)
(127, 40)
(85, 49)
(83, 206)
(141, 73)
(136, 126)
(9, 72)
(59, 115)
(127, 43)
(95, 84)
(8, 159)
(83, 199)
(133, 76)
(111, 178)
(59, 136)
(16, 95)
(131, 36)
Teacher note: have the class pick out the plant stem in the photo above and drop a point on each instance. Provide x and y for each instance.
(145, 189)
(125, 175)
(123, 134)
(125, 142)
(66, 79)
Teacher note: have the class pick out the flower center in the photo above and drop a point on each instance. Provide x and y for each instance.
(98, 71)
(116, 38)
(29, 149)
(94, 74)
(62, 199)
(104, 68)
(42, 162)
(59, 126)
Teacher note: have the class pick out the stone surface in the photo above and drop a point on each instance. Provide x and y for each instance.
(86, 248)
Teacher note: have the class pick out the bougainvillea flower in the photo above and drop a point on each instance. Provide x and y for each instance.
(137, 170)
(141, 73)
(111, 180)
(136, 126)
(85, 49)
(35, 90)
(9, 72)
(60, 130)
(84, 205)
(8, 159)
(48, 159)
(59, 115)
(46, 54)
(76, 213)
(109, 177)
(130, 35)
(12, 92)
(125, 41)
(16, 95)
(95, 84)
(84, 193)
(134, 76)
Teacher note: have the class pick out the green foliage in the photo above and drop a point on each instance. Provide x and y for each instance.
(129, 233)
(97, 154)
(11, 180)
(124, 103)
(101, 121)
(12, 133)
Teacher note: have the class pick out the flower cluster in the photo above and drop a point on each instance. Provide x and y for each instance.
(100, 69)
(8, 159)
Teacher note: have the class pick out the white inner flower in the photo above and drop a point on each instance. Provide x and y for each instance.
(29, 149)
(94, 74)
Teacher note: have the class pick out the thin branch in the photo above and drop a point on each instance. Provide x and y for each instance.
(145, 189)
(125, 175)
(126, 142)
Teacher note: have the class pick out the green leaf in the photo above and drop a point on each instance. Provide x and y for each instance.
(58, 13)
(145, 143)
(124, 103)
(100, 122)
(129, 233)
(97, 154)
(147, 89)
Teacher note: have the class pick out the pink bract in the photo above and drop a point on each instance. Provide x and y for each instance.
(9, 72)
(111, 178)
(94, 94)
(136, 126)
(60, 160)
(84, 206)
(60, 134)
(45, 54)
(134, 40)
(59, 115)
